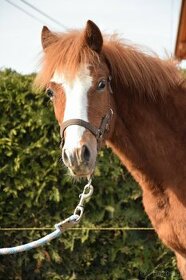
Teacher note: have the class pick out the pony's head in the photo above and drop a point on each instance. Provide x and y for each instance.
(77, 78)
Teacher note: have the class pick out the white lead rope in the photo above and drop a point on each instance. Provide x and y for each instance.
(60, 227)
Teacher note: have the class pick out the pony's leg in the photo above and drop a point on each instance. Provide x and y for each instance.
(181, 262)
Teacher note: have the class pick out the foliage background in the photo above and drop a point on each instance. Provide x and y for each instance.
(36, 191)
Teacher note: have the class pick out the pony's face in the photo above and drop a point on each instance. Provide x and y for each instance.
(86, 96)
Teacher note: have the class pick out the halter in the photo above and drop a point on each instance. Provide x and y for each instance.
(97, 132)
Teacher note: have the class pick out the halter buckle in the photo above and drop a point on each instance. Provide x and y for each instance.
(99, 135)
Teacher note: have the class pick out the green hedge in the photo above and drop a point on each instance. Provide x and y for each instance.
(36, 191)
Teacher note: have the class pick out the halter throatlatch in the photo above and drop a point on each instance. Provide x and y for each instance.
(97, 132)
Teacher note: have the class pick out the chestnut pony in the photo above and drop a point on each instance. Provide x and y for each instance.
(91, 77)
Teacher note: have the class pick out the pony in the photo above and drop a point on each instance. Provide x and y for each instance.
(106, 91)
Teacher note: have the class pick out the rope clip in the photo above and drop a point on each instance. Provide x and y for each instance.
(78, 212)
(87, 193)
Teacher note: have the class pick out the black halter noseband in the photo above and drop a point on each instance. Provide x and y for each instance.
(97, 132)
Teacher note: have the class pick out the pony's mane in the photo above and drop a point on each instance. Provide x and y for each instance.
(130, 68)
(139, 72)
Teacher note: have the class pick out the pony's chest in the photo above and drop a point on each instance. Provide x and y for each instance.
(168, 217)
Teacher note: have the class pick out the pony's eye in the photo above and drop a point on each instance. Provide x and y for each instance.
(101, 85)
(50, 93)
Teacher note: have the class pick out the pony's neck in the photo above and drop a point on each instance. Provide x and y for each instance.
(125, 143)
(148, 141)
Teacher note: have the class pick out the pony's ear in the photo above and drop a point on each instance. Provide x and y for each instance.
(47, 37)
(93, 37)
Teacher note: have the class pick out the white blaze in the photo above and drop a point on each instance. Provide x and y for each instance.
(76, 104)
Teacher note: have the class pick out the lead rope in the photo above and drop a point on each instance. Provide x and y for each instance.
(59, 228)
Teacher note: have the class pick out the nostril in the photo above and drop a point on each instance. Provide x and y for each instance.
(85, 153)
